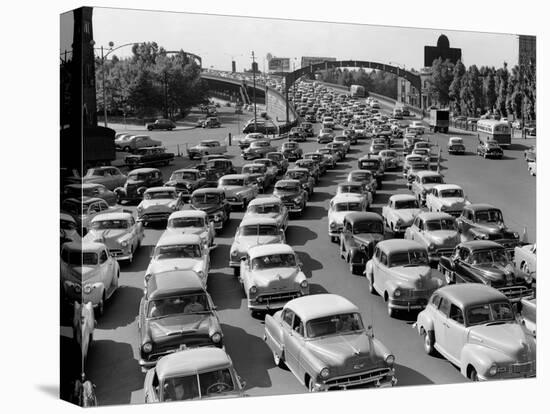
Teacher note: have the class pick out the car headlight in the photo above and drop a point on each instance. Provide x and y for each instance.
(304, 186)
(390, 359)
(189, 186)
(201, 274)
(124, 243)
(529, 279)
(493, 370)
(147, 347)
(253, 290)
(216, 338)
(174, 207)
(516, 235)
(333, 225)
(139, 209)
(298, 200)
(431, 246)
(324, 373)
(234, 253)
(396, 293)
(217, 217)
(239, 196)
(303, 284)
(87, 288)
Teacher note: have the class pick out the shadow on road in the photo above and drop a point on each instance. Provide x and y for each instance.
(320, 196)
(299, 235)
(219, 257)
(314, 213)
(121, 309)
(518, 147)
(142, 257)
(250, 354)
(226, 290)
(316, 289)
(408, 376)
(309, 264)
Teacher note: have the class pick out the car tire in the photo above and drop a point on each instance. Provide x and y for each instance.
(472, 375)
(236, 271)
(101, 306)
(449, 277)
(429, 342)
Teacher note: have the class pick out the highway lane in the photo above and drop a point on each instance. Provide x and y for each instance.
(112, 363)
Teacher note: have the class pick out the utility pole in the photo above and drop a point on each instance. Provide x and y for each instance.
(254, 87)
(165, 95)
(103, 87)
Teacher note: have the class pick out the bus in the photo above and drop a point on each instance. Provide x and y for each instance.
(493, 130)
(357, 91)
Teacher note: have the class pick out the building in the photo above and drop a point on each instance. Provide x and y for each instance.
(312, 60)
(278, 65)
(527, 49)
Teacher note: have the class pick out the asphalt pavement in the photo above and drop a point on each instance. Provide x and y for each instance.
(113, 359)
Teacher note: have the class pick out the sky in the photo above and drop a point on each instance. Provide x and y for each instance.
(219, 39)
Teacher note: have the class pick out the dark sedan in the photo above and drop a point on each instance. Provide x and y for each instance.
(166, 124)
(489, 149)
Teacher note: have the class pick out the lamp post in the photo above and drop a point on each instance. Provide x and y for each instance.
(254, 87)
(103, 57)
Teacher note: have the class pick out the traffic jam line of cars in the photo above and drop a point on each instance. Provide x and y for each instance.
(431, 251)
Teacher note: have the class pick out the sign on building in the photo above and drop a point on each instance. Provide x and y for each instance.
(277, 64)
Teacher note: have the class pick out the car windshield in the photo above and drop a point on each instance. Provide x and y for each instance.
(347, 207)
(264, 208)
(186, 222)
(489, 216)
(436, 179)
(78, 258)
(297, 175)
(409, 258)
(496, 256)
(184, 175)
(95, 172)
(334, 325)
(137, 177)
(158, 195)
(403, 204)
(290, 146)
(388, 154)
(456, 141)
(67, 225)
(455, 192)
(361, 176)
(232, 181)
(254, 170)
(273, 261)
(109, 224)
(206, 199)
(288, 188)
(177, 305)
(177, 251)
(489, 313)
(442, 224)
(259, 230)
(355, 189)
(275, 157)
(368, 227)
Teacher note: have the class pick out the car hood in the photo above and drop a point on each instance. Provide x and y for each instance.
(452, 201)
(407, 215)
(83, 273)
(285, 195)
(181, 325)
(134, 182)
(104, 235)
(232, 189)
(185, 230)
(246, 242)
(181, 182)
(508, 338)
(412, 274)
(337, 216)
(366, 238)
(495, 271)
(208, 208)
(181, 264)
(447, 238)
(163, 202)
(493, 228)
(283, 276)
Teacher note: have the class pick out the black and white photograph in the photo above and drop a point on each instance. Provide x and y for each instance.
(257, 214)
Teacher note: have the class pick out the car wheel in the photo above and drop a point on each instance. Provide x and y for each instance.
(101, 306)
(525, 268)
(311, 385)
(236, 271)
(429, 342)
(473, 375)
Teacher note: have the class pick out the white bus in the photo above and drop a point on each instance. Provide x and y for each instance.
(493, 130)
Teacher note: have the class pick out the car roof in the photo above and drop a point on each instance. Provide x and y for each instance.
(360, 216)
(119, 215)
(481, 206)
(143, 170)
(159, 189)
(267, 249)
(208, 190)
(321, 305)
(187, 213)
(402, 197)
(191, 361)
(172, 282)
(234, 176)
(255, 220)
(298, 169)
(265, 200)
(168, 239)
(481, 245)
(84, 246)
(295, 182)
(447, 187)
(435, 215)
(347, 197)
(186, 170)
(400, 245)
(428, 173)
(470, 294)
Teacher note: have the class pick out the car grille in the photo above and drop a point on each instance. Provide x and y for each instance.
(152, 216)
(277, 297)
(444, 252)
(516, 293)
(362, 378)
(115, 252)
(522, 368)
(233, 199)
(454, 213)
(189, 343)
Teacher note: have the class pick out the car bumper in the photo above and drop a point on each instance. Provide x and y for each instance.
(274, 301)
(378, 379)
(155, 216)
(408, 304)
(94, 296)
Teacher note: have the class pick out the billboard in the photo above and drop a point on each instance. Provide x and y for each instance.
(312, 60)
(277, 64)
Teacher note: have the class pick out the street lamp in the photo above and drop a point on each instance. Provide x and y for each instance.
(103, 57)
(254, 87)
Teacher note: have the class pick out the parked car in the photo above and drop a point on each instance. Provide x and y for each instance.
(166, 124)
(279, 159)
(330, 155)
(257, 149)
(297, 134)
(175, 251)
(390, 159)
(291, 150)
(84, 209)
(193, 374)
(272, 167)
(149, 156)
(304, 176)
(339, 147)
(355, 187)
(456, 146)
(399, 271)
(485, 222)
(175, 312)
(192, 222)
(308, 127)
(400, 212)
(158, 203)
(213, 202)
(185, 181)
(216, 168)
(90, 190)
(119, 232)
(137, 182)
(269, 207)
(361, 231)
(88, 274)
(489, 149)
(239, 189)
(206, 147)
(133, 142)
(253, 231)
(110, 177)
(292, 195)
(374, 165)
(488, 263)
(271, 275)
(448, 198)
(311, 165)
(319, 159)
(258, 174)
(437, 232)
(423, 182)
(366, 177)
(322, 340)
(414, 161)
(250, 138)
(211, 122)
(474, 327)
(339, 206)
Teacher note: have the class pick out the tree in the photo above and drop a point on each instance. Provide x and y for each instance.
(501, 84)
(456, 85)
(440, 80)
(490, 89)
(471, 93)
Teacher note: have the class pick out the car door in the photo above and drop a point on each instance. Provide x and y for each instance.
(455, 333)
(291, 360)
(440, 324)
(415, 229)
(346, 235)
(294, 345)
(107, 271)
